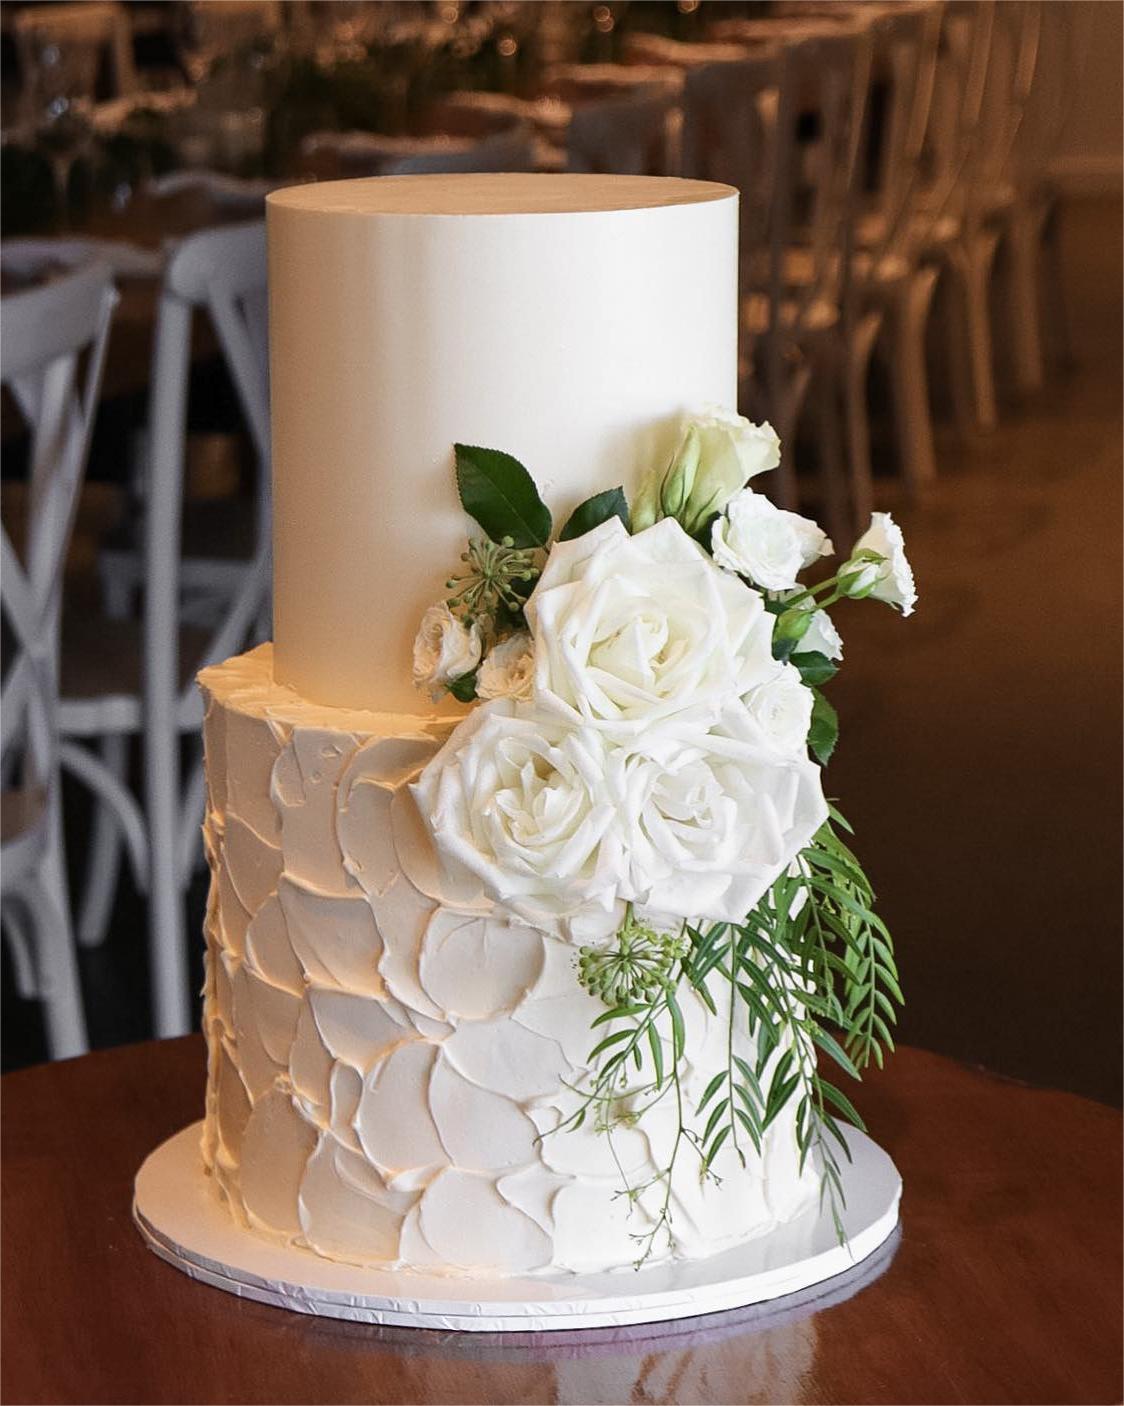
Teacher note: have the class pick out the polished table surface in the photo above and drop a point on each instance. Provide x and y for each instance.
(1002, 1285)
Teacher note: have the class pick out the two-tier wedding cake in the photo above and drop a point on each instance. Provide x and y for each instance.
(526, 973)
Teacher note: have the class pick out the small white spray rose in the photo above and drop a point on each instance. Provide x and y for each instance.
(718, 453)
(508, 670)
(889, 580)
(782, 710)
(444, 649)
(768, 544)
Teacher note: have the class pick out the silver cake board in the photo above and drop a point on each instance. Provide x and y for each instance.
(181, 1215)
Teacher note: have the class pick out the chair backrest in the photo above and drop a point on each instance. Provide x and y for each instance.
(221, 272)
(825, 78)
(78, 36)
(903, 64)
(729, 135)
(508, 151)
(959, 77)
(626, 136)
(1063, 47)
(1012, 58)
(51, 357)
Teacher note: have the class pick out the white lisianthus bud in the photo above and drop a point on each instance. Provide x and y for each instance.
(508, 670)
(444, 650)
(771, 546)
(732, 450)
(889, 579)
(782, 709)
(821, 636)
(718, 453)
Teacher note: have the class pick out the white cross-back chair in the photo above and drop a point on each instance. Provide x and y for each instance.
(892, 274)
(51, 359)
(742, 125)
(221, 274)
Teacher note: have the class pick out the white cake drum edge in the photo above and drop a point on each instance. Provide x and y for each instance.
(181, 1217)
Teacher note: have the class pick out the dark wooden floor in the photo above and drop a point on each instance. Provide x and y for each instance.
(980, 759)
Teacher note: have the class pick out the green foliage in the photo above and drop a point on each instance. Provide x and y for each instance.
(500, 494)
(809, 973)
(594, 511)
(824, 731)
(815, 668)
(464, 688)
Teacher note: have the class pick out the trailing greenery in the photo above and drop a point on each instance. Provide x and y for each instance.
(809, 974)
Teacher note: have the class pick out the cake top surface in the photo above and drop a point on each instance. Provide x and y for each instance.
(498, 194)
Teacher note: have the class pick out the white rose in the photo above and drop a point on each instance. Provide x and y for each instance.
(631, 630)
(519, 800)
(709, 823)
(719, 452)
(893, 577)
(768, 544)
(782, 709)
(508, 669)
(444, 649)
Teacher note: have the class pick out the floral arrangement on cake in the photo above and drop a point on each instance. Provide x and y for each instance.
(643, 772)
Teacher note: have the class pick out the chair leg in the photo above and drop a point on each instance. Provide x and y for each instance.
(1026, 327)
(913, 420)
(57, 960)
(16, 922)
(166, 947)
(104, 863)
(977, 261)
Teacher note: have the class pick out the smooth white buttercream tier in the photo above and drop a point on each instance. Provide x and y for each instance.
(385, 1067)
(568, 320)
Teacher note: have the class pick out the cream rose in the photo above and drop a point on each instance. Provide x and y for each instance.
(444, 649)
(519, 800)
(782, 710)
(768, 544)
(822, 637)
(892, 577)
(709, 823)
(632, 630)
(508, 669)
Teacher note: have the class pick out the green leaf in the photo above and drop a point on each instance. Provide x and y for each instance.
(711, 1089)
(815, 668)
(830, 1046)
(594, 511)
(464, 688)
(843, 1103)
(824, 732)
(716, 1145)
(501, 495)
(678, 1033)
(657, 1053)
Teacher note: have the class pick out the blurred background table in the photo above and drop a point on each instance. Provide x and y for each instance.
(1003, 1284)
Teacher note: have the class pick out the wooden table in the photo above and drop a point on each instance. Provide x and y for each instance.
(1004, 1285)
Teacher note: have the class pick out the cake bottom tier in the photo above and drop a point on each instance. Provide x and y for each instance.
(392, 1066)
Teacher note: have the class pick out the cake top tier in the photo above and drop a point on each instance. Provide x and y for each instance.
(497, 194)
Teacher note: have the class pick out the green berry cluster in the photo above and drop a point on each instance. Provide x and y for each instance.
(640, 963)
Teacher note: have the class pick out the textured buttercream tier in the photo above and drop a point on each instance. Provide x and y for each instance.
(568, 320)
(385, 1067)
